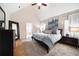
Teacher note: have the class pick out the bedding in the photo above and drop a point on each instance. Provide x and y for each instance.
(43, 38)
(48, 39)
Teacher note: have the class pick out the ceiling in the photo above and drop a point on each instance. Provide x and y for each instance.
(51, 10)
(13, 7)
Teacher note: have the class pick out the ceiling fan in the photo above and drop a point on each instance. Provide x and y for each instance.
(39, 4)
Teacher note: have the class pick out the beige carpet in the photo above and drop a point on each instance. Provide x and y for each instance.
(63, 50)
(34, 49)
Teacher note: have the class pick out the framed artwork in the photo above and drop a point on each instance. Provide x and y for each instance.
(14, 26)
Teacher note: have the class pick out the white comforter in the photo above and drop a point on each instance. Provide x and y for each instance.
(48, 39)
(54, 37)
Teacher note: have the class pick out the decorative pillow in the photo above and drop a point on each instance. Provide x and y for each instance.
(54, 32)
(47, 31)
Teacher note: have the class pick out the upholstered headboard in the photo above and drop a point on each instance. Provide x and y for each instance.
(51, 27)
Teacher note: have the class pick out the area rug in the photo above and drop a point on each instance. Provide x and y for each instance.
(63, 50)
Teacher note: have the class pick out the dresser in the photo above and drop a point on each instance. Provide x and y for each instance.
(6, 42)
(70, 41)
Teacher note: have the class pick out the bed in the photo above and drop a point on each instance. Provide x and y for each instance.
(46, 40)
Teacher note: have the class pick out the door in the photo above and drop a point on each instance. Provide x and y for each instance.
(28, 31)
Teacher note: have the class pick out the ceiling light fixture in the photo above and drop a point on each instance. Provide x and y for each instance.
(39, 4)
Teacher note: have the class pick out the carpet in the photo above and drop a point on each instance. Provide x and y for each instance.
(63, 50)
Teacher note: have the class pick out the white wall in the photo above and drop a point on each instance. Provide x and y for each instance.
(24, 16)
(10, 8)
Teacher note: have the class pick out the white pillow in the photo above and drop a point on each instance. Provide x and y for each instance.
(58, 31)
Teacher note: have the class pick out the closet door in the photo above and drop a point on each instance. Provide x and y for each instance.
(6, 42)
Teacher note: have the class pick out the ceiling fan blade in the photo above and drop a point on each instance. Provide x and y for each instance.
(44, 4)
(34, 4)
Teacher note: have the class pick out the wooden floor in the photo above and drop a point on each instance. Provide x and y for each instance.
(26, 48)
(18, 51)
(18, 43)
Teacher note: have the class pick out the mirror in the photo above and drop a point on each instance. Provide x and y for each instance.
(14, 26)
(1, 15)
(2, 18)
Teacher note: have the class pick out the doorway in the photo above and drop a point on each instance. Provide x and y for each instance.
(29, 28)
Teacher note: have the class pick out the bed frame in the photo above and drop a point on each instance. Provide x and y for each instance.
(42, 44)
